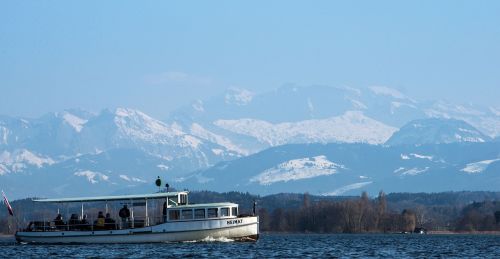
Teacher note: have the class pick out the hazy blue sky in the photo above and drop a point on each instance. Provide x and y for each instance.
(157, 55)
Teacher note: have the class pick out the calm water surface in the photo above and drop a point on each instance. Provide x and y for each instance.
(278, 245)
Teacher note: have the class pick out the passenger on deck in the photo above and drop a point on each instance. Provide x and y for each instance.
(165, 212)
(73, 222)
(58, 222)
(124, 215)
(109, 222)
(84, 223)
(99, 223)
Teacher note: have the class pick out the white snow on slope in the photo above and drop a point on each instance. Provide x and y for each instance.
(139, 126)
(198, 106)
(297, 169)
(4, 133)
(357, 104)
(217, 151)
(413, 171)
(421, 156)
(131, 179)
(449, 110)
(20, 159)
(468, 139)
(407, 157)
(347, 188)
(490, 125)
(74, 121)
(238, 96)
(399, 170)
(4, 170)
(200, 132)
(351, 127)
(92, 177)
(396, 105)
(478, 167)
(383, 90)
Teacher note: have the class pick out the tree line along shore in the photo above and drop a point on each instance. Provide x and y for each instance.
(445, 212)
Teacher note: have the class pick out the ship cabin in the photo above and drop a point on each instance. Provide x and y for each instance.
(202, 211)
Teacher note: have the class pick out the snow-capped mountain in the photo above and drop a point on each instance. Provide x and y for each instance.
(295, 114)
(58, 142)
(17, 161)
(78, 151)
(347, 169)
(107, 172)
(127, 128)
(297, 169)
(351, 127)
(436, 131)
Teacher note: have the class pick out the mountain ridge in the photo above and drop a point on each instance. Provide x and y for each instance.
(229, 126)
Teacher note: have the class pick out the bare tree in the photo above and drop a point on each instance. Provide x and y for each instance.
(421, 215)
(409, 221)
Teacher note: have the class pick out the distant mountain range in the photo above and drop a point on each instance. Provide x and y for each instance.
(76, 152)
(346, 169)
(294, 114)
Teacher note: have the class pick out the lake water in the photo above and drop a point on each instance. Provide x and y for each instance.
(279, 245)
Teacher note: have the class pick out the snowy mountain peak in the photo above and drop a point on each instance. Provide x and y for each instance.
(296, 169)
(238, 96)
(137, 124)
(128, 112)
(74, 121)
(435, 131)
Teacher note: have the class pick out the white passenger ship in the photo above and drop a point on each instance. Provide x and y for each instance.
(178, 221)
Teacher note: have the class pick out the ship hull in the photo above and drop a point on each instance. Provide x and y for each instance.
(244, 229)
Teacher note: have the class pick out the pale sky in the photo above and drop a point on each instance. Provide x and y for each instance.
(158, 55)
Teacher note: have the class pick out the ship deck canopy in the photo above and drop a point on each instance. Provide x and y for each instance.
(159, 195)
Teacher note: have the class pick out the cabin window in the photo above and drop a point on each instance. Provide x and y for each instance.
(224, 212)
(212, 212)
(187, 214)
(234, 211)
(199, 213)
(182, 199)
(174, 215)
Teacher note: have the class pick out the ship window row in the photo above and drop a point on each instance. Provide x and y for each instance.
(186, 214)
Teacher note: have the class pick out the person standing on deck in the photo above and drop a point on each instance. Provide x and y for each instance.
(165, 212)
(124, 215)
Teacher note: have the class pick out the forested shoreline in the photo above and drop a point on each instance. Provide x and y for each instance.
(304, 213)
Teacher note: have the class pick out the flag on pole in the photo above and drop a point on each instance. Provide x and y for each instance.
(6, 201)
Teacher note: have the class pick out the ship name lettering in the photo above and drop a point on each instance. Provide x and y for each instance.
(234, 221)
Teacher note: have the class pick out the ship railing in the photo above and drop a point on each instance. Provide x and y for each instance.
(93, 225)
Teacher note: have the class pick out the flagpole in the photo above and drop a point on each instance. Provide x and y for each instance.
(11, 211)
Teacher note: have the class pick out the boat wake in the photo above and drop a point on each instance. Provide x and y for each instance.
(211, 239)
